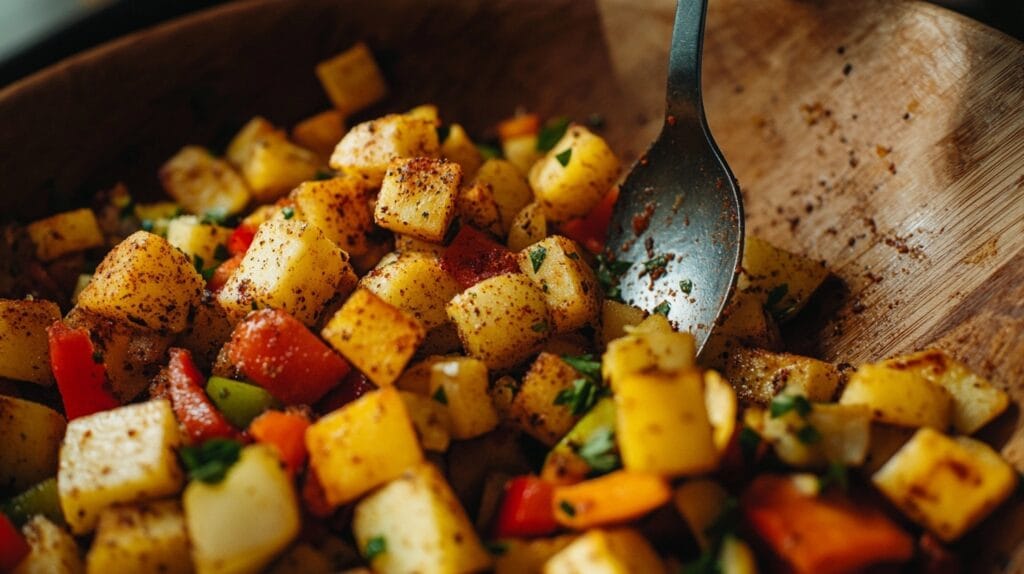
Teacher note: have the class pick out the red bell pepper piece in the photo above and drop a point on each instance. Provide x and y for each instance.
(354, 385)
(241, 239)
(473, 256)
(80, 373)
(821, 534)
(13, 547)
(223, 272)
(591, 230)
(526, 509)
(286, 432)
(202, 420)
(278, 352)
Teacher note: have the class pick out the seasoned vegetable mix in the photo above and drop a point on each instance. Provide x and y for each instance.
(386, 347)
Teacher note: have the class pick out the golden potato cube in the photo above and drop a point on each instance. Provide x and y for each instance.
(556, 265)
(459, 148)
(362, 445)
(375, 336)
(946, 484)
(145, 538)
(291, 265)
(201, 242)
(898, 396)
(31, 434)
(475, 205)
(510, 190)
(369, 148)
(418, 196)
(841, 434)
(242, 144)
(521, 151)
(781, 280)
(431, 420)
(52, 549)
(528, 227)
(618, 551)
(415, 283)
(615, 317)
(24, 345)
(528, 556)
(745, 323)
(64, 233)
(243, 522)
(651, 345)
(427, 112)
(352, 79)
(759, 375)
(720, 401)
(534, 408)
(662, 423)
(575, 175)
(340, 208)
(118, 456)
(204, 184)
(418, 525)
(145, 281)
(275, 165)
(501, 320)
(461, 383)
(320, 133)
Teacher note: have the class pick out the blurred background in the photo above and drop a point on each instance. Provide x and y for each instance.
(37, 33)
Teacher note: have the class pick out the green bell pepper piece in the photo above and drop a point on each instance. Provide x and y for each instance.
(240, 402)
(41, 498)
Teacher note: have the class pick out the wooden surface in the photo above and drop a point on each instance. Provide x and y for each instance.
(886, 138)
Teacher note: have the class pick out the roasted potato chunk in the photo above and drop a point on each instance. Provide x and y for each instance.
(369, 148)
(340, 208)
(24, 347)
(145, 538)
(556, 265)
(352, 79)
(758, 375)
(573, 177)
(31, 434)
(418, 196)
(64, 233)
(204, 184)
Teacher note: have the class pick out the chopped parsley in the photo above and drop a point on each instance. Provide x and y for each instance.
(440, 396)
(609, 274)
(255, 306)
(322, 174)
(599, 451)
(686, 286)
(656, 263)
(488, 151)
(723, 526)
(750, 441)
(835, 475)
(566, 507)
(585, 365)
(146, 225)
(537, 257)
(580, 397)
(782, 404)
(539, 326)
(808, 435)
(288, 212)
(375, 547)
(564, 157)
(553, 130)
(662, 309)
(442, 133)
(199, 263)
(210, 461)
(496, 547)
(215, 216)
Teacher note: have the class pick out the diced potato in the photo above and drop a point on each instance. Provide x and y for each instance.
(758, 375)
(24, 346)
(462, 383)
(64, 233)
(781, 280)
(663, 424)
(427, 112)
(615, 317)
(416, 379)
(203, 184)
(619, 551)
(291, 265)
(146, 538)
(118, 456)
(946, 484)
(199, 241)
(528, 556)
(745, 323)
(270, 164)
(501, 320)
(898, 396)
(476, 206)
(573, 177)
(510, 190)
(242, 522)
(533, 410)
(147, 282)
(376, 337)
(241, 145)
(415, 283)
(339, 207)
(362, 445)
(521, 151)
(417, 197)
(720, 401)
(653, 344)
(431, 420)
(556, 265)
(321, 132)
(31, 434)
(458, 147)
(527, 227)
(206, 334)
(52, 550)
(841, 434)
(420, 526)
(885, 441)
(352, 79)
(563, 464)
(369, 148)
(700, 502)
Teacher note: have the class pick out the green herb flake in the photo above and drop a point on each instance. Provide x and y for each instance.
(97, 357)
(198, 263)
(656, 263)
(488, 151)
(214, 216)
(539, 327)
(552, 131)
(586, 365)
(442, 133)
(288, 212)
(808, 435)
(662, 309)
(599, 451)
(146, 225)
(375, 547)
(496, 547)
(686, 286)
(835, 475)
(210, 461)
(782, 404)
(609, 274)
(440, 396)
(255, 306)
(564, 157)
(323, 174)
(537, 256)
(221, 252)
(580, 397)
(567, 508)
(750, 441)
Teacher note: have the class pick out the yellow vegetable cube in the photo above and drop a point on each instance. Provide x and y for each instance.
(147, 282)
(199, 241)
(615, 317)
(521, 151)
(946, 484)
(528, 556)
(272, 165)
(252, 133)
(291, 265)
(651, 345)
(376, 337)
(417, 197)
(476, 206)
(720, 401)
(340, 208)
(573, 177)
(662, 423)
(527, 227)
(618, 551)
(369, 148)
(501, 320)
(24, 346)
(745, 323)
(64, 233)
(320, 133)
(759, 375)
(31, 434)
(242, 522)
(352, 79)
(841, 434)
(52, 550)
(431, 420)
(427, 112)
(415, 283)
(362, 445)
(781, 280)
(119, 456)
(416, 524)
(534, 409)
(509, 188)
(459, 148)
(462, 384)
(145, 538)
(556, 265)
(898, 396)
(203, 184)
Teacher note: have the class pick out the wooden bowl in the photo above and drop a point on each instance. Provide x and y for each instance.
(886, 138)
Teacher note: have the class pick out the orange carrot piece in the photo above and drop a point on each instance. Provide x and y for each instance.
(286, 432)
(617, 497)
(516, 126)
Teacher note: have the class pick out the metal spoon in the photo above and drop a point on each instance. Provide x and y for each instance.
(679, 217)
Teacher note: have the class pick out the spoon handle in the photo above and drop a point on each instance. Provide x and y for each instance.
(684, 102)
